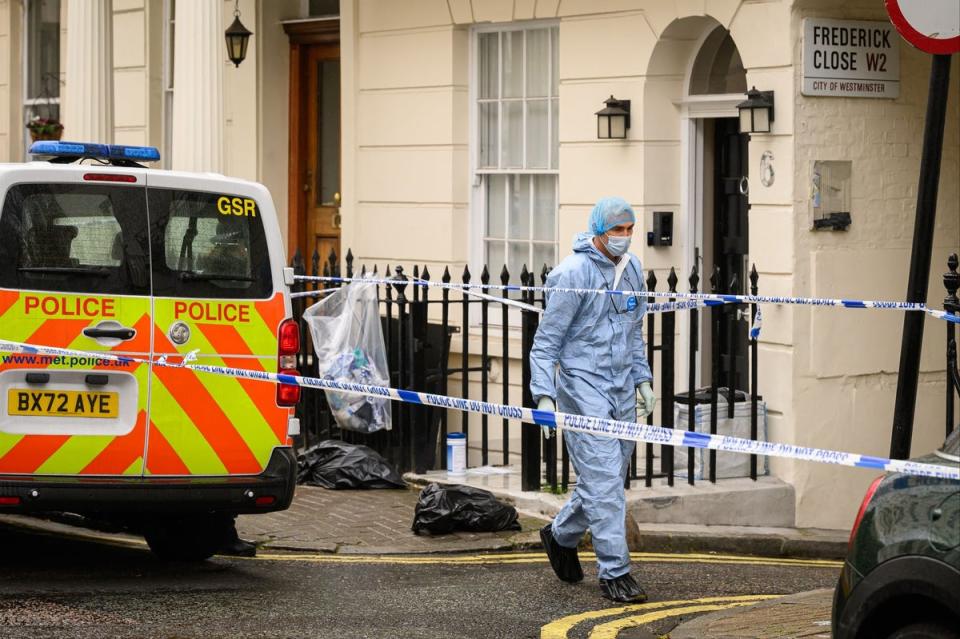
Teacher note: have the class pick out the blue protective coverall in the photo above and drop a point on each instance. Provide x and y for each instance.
(589, 356)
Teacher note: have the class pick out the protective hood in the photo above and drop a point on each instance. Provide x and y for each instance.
(583, 244)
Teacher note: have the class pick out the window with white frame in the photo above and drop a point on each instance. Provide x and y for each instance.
(41, 61)
(517, 110)
(169, 31)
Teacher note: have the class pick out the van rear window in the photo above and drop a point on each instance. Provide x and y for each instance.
(208, 245)
(74, 238)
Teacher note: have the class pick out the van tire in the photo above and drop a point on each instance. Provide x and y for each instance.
(193, 538)
(924, 630)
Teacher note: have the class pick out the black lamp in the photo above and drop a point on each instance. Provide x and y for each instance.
(614, 119)
(756, 112)
(237, 37)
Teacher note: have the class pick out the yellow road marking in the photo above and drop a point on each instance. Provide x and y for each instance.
(611, 629)
(559, 628)
(540, 558)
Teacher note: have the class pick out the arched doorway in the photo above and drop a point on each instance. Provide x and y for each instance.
(697, 68)
(722, 153)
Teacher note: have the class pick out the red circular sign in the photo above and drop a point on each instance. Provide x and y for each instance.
(929, 25)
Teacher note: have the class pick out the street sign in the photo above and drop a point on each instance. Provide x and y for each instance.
(929, 25)
(850, 58)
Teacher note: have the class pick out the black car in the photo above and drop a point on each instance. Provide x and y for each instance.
(901, 577)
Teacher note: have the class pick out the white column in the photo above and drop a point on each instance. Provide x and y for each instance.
(199, 52)
(88, 98)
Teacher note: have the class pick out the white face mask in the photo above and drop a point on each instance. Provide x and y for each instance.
(618, 245)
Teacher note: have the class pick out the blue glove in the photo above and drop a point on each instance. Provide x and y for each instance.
(546, 403)
(646, 400)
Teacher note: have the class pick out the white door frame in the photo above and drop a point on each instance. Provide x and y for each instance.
(694, 109)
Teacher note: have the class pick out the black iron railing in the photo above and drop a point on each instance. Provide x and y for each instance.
(419, 356)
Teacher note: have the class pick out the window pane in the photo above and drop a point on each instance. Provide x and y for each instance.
(43, 49)
(518, 255)
(74, 237)
(519, 226)
(544, 207)
(555, 134)
(537, 143)
(512, 139)
(328, 125)
(489, 149)
(513, 64)
(543, 254)
(555, 67)
(538, 63)
(205, 252)
(489, 47)
(324, 8)
(496, 259)
(496, 206)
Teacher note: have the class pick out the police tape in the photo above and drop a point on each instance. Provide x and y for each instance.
(655, 307)
(557, 420)
(705, 299)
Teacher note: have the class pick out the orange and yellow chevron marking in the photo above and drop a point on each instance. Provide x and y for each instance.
(272, 312)
(216, 425)
(88, 455)
(226, 339)
(203, 410)
(196, 424)
(30, 452)
(163, 459)
(120, 453)
(7, 299)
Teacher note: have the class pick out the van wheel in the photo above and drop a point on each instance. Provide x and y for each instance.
(188, 538)
(924, 630)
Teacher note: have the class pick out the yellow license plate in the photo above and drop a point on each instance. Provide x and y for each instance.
(43, 403)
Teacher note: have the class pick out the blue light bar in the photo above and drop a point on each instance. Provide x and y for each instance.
(69, 149)
(94, 150)
(137, 153)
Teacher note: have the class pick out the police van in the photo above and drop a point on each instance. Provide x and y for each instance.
(101, 255)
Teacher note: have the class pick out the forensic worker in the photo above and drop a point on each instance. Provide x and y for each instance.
(589, 358)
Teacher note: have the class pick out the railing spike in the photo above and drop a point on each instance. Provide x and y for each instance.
(672, 280)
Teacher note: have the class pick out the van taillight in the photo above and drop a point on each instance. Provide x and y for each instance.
(109, 177)
(863, 508)
(288, 347)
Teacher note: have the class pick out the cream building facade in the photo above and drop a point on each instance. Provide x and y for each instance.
(466, 134)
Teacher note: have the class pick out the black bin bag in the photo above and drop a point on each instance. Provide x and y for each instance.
(444, 509)
(336, 464)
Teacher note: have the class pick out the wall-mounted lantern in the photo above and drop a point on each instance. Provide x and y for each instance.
(614, 119)
(237, 37)
(756, 112)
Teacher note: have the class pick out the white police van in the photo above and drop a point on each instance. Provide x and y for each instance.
(100, 255)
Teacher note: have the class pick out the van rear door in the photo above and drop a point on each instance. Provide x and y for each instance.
(216, 294)
(74, 274)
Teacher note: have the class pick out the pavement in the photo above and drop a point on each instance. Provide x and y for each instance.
(368, 522)
(805, 615)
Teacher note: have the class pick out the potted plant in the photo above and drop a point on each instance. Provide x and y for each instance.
(44, 128)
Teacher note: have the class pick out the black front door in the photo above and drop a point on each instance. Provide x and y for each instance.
(731, 246)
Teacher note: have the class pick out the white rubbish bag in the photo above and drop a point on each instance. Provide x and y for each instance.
(348, 344)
